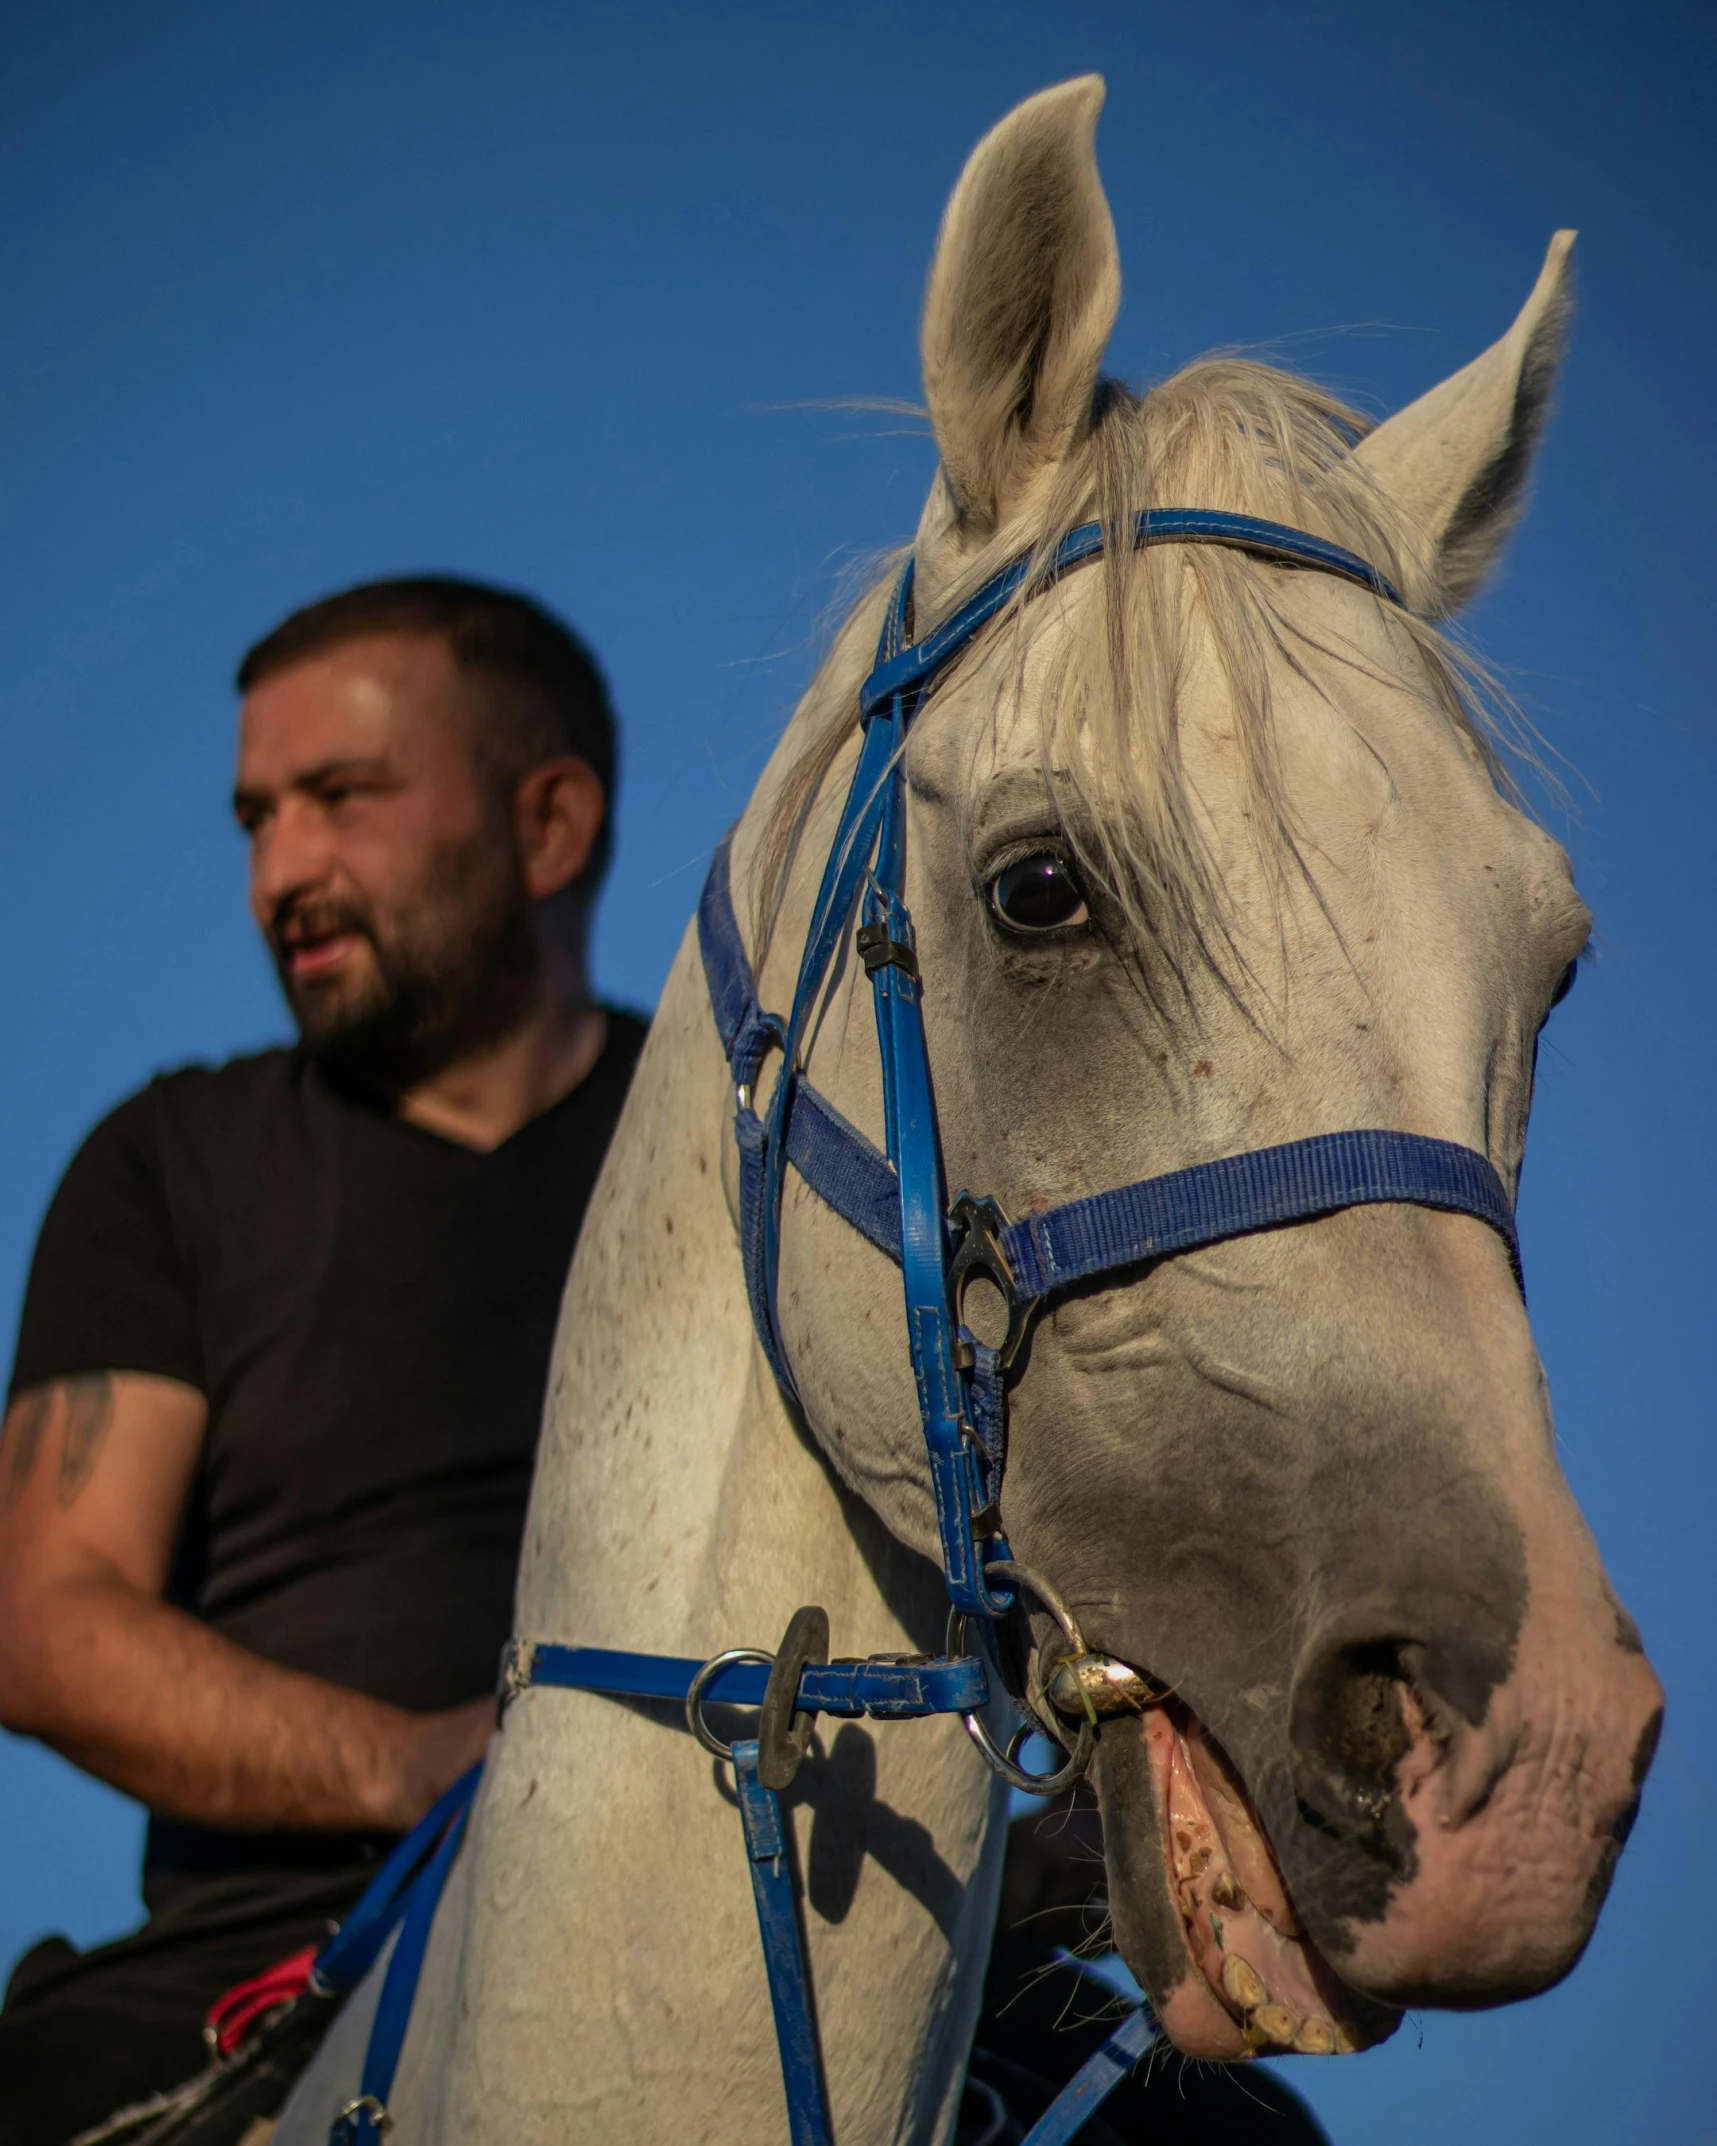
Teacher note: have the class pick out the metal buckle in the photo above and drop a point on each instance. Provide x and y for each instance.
(981, 1224)
(878, 948)
(1005, 1760)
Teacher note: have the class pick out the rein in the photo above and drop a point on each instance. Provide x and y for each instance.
(897, 1200)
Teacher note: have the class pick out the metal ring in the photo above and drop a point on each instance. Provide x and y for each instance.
(1040, 1719)
(1015, 1775)
(1035, 1583)
(700, 1684)
(366, 2105)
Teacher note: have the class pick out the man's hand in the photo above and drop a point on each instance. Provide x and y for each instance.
(94, 1473)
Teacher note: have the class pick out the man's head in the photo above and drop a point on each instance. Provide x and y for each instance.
(425, 769)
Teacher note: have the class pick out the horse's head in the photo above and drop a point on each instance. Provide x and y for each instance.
(1208, 854)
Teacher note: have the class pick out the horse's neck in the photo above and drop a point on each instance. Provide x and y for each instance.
(651, 1388)
(607, 1965)
(678, 1506)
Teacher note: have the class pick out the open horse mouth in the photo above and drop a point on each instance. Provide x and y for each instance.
(1258, 1982)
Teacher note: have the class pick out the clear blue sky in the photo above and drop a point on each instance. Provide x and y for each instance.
(539, 292)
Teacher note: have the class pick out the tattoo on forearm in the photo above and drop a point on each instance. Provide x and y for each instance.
(85, 1407)
(89, 1411)
(26, 1422)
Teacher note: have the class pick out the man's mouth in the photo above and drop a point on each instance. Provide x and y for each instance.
(309, 955)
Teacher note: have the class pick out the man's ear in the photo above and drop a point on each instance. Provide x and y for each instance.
(1023, 293)
(558, 808)
(1456, 461)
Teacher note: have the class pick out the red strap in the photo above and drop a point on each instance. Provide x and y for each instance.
(231, 2017)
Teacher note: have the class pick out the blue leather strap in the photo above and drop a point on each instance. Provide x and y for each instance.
(349, 1954)
(1261, 1189)
(767, 1847)
(366, 2118)
(1155, 1216)
(887, 1690)
(1093, 2082)
(911, 670)
(844, 1170)
(915, 1151)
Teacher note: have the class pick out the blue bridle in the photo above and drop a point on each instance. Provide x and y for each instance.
(897, 1199)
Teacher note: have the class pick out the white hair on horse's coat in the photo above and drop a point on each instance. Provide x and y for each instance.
(1226, 432)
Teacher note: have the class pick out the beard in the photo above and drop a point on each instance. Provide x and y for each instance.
(451, 968)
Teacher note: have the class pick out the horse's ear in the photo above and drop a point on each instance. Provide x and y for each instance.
(1457, 459)
(1023, 294)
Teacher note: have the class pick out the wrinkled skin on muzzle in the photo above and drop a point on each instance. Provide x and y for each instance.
(1365, 1584)
(1304, 1479)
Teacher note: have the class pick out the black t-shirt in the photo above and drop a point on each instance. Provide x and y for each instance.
(368, 1309)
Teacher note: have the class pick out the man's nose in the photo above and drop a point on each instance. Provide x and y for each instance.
(291, 856)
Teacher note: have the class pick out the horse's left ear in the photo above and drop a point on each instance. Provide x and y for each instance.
(1023, 294)
(1456, 461)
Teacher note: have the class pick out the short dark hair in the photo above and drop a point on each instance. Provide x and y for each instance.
(546, 694)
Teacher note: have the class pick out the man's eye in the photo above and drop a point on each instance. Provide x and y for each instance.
(1038, 893)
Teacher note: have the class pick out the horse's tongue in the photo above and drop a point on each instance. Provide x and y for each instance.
(1239, 1923)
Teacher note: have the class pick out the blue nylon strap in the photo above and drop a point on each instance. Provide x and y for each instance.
(848, 859)
(915, 1150)
(1093, 2082)
(783, 1953)
(1259, 1190)
(348, 1955)
(1108, 1231)
(989, 1412)
(364, 2123)
(910, 670)
(727, 972)
(844, 1170)
(886, 1690)
(1155, 1216)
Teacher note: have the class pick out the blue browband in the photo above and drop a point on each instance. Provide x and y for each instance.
(898, 1201)
(910, 670)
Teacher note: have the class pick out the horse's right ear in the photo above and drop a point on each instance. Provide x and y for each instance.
(1456, 461)
(1023, 294)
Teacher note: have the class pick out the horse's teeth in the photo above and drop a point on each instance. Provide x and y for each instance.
(1243, 1983)
(1316, 2038)
(1345, 2045)
(1227, 1894)
(1278, 2023)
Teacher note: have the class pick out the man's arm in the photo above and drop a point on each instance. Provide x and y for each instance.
(94, 1472)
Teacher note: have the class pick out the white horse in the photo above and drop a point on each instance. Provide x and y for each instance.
(1276, 886)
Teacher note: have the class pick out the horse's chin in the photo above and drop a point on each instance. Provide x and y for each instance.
(1251, 1980)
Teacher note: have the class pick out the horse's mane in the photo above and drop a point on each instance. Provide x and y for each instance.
(1226, 432)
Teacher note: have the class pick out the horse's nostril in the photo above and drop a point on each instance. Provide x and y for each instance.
(1350, 1732)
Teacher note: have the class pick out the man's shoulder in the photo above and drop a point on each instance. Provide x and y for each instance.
(198, 1105)
(201, 1097)
(256, 1075)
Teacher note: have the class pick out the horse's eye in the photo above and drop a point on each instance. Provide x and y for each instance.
(1039, 893)
(1566, 984)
